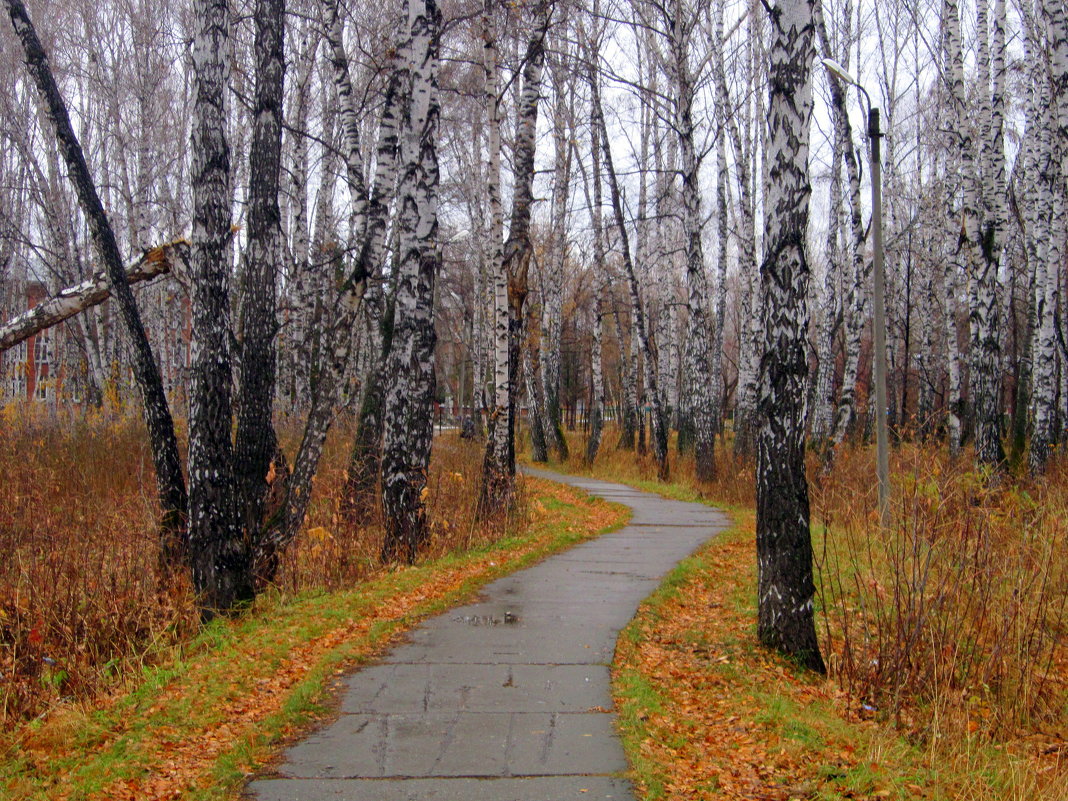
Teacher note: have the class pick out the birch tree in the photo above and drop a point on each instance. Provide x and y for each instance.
(1051, 108)
(256, 445)
(563, 82)
(498, 468)
(986, 309)
(409, 399)
(681, 26)
(640, 331)
(966, 254)
(220, 556)
(785, 588)
(859, 275)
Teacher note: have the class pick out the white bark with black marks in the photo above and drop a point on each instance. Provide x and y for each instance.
(256, 445)
(785, 587)
(220, 556)
(409, 395)
(498, 469)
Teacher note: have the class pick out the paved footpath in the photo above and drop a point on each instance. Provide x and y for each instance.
(507, 698)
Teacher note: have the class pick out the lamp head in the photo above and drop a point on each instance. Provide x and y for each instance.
(839, 70)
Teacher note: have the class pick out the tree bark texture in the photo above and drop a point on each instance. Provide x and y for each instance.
(219, 553)
(256, 444)
(698, 346)
(784, 548)
(409, 397)
(498, 468)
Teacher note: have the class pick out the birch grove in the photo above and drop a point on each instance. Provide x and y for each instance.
(563, 228)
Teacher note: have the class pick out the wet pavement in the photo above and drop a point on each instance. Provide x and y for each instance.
(506, 698)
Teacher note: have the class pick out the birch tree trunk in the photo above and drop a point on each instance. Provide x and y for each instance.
(595, 201)
(660, 450)
(784, 548)
(409, 398)
(701, 402)
(986, 311)
(593, 441)
(256, 444)
(539, 449)
(302, 296)
(74, 300)
(364, 464)
(219, 553)
(959, 264)
(860, 272)
(823, 416)
(720, 308)
(498, 468)
(496, 475)
(628, 400)
(553, 294)
(350, 121)
(728, 112)
(1051, 102)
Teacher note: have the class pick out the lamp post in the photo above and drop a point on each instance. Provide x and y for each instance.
(879, 294)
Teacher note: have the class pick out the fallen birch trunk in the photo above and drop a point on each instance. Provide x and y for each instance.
(76, 299)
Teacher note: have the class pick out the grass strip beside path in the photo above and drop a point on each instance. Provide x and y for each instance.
(200, 726)
(706, 713)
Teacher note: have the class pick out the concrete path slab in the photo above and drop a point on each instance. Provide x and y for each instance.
(506, 698)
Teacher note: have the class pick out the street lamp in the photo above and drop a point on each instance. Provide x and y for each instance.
(879, 278)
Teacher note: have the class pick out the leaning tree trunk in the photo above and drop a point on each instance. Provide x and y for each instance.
(784, 548)
(409, 407)
(74, 300)
(302, 298)
(220, 554)
(660, 450)
(256, 445)
(350, 121)
(338, 334)
(170, 485)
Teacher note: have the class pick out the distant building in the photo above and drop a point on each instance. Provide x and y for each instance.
(32, 370)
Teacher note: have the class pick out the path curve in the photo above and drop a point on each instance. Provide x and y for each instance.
(506, 698)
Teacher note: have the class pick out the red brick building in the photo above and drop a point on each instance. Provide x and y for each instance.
(31, 370)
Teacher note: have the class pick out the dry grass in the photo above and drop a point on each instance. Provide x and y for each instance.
(952, 621)
(81, 605)
(949, 626)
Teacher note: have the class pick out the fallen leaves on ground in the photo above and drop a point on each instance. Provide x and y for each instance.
(708, 714)
(167, 760)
